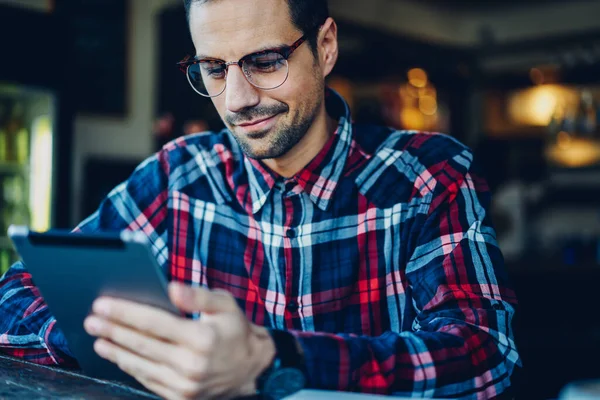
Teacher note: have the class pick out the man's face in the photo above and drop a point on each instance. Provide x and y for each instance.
(266, 123)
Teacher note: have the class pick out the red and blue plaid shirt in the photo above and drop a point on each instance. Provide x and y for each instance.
(379, 256)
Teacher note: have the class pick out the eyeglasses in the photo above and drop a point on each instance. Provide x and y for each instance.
(266, 70)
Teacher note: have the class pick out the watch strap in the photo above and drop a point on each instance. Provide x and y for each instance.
(288, 354)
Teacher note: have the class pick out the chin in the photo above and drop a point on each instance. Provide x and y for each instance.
(262, 154)
(259, 145)
(255, 151)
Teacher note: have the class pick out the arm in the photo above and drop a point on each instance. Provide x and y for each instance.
(461, 343)
(28, 329)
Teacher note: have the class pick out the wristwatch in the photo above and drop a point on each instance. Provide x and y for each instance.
(287, 373)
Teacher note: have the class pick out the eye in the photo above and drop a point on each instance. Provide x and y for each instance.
(212, 69)
(265, 63)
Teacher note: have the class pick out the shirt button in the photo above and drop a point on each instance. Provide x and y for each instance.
(290, 233)
(292, 306)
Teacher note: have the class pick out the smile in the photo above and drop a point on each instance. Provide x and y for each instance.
(259, 125)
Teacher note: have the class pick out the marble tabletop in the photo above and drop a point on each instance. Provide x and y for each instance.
(24, 380)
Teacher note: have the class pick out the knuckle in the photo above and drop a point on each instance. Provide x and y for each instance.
(203, 337)
(197, 329)
(108, 330)
(145, 325)
(223, 295)
(194, 367)
(190, 390)
(141, 347)
(116, 313)
(210, 337)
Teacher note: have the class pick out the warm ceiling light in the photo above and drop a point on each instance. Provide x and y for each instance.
(536, 106)
(428, 105)
(411, 118)
(575, 153)
(417, 77)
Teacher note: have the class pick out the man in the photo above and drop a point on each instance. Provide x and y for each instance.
(318, 253)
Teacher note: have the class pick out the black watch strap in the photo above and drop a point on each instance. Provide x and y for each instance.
(288, 354)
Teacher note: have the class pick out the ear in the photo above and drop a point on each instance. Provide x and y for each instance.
(327, 45)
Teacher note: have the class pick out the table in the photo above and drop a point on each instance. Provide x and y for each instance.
(24, 380)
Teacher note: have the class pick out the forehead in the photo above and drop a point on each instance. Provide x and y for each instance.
(230, 29)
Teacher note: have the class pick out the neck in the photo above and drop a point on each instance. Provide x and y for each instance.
(307, 148)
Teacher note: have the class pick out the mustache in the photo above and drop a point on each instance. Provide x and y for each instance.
(255, 113)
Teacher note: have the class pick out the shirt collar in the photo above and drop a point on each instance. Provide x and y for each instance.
(320, 177)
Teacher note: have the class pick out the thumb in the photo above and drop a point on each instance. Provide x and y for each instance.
(199, 299)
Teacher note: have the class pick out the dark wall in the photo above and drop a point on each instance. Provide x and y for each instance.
(175, 95)
(37, 55)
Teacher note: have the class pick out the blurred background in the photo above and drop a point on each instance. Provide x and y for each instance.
(89, 88)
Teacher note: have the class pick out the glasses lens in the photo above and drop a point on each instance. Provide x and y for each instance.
(266, 70)
(207, 77)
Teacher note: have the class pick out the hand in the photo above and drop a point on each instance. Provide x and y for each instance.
(218, 356)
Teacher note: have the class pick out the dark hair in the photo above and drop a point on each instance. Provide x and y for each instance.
(306, 15)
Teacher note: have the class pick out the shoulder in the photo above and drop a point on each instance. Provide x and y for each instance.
(211, 146)
(198, 165)
(428, 149)
(189, 164)
(409, 164)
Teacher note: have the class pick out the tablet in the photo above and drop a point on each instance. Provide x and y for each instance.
(71, 270)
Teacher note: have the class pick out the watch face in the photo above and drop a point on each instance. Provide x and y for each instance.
(284, 382)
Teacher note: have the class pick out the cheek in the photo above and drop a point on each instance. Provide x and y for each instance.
(302, 83)
(297, 93)
(220, 106)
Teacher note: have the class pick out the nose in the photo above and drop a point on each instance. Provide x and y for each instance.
(239, 93)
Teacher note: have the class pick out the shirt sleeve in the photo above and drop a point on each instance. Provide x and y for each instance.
(461, 343)
(27, 328)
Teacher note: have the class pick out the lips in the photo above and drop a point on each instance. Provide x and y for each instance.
(258, 121)
(258, 126)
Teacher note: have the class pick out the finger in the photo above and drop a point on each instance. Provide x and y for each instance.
(146, 319)
(200, 339)
(159, 389)
(193, 336)
(143, 370)
(197, 299)
(146, 346)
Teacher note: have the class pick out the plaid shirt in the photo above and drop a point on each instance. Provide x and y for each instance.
(379, 256)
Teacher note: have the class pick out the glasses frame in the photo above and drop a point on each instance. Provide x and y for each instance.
(284, 51)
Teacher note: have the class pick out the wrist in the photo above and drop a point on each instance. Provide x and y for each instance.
(263, 353)
(266, 350)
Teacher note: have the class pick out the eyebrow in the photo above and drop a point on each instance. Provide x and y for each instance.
(264, 48)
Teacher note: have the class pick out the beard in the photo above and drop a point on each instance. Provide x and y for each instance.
(282, 137)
